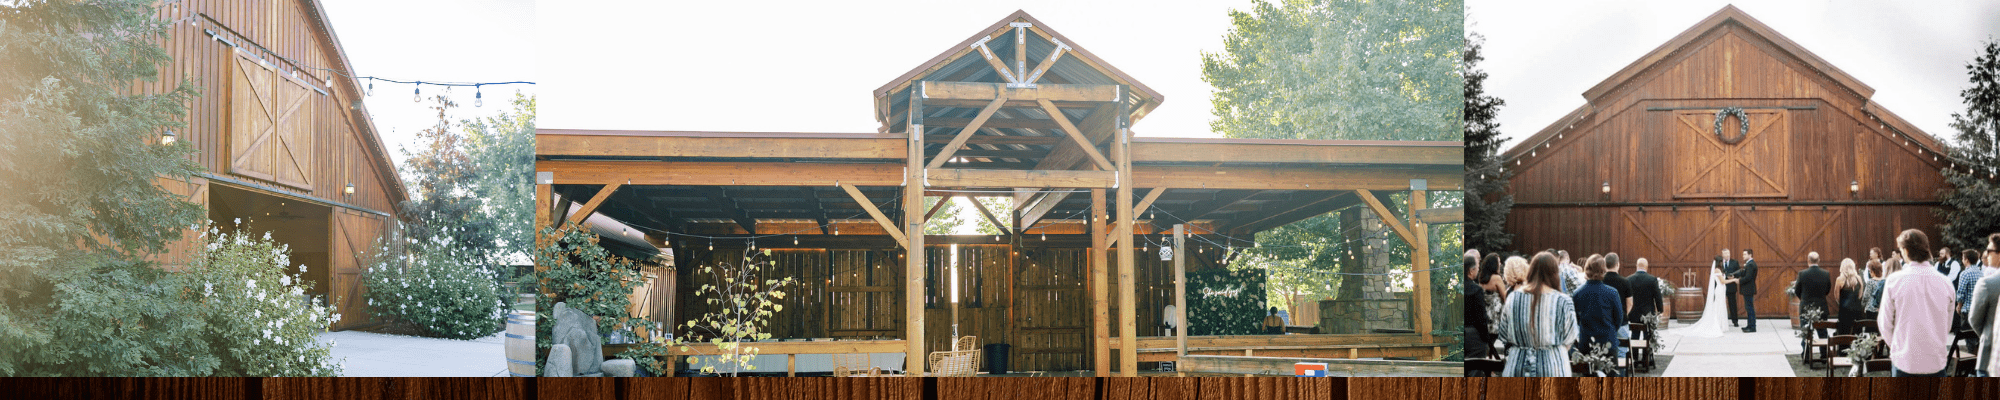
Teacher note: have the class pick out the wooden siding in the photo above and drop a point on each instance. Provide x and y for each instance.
(340, 153)
(1679, 195)
(1033, 298)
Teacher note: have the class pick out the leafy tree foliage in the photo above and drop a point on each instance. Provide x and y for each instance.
(573, 268)
(1340, 69)
(501, 149)
(81, 201)
(1973, 202)
(1486, 199)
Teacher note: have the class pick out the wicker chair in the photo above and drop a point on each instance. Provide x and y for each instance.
(954, 363)
(965, 343)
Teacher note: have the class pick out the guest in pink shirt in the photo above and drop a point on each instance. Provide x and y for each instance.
(1916, 311)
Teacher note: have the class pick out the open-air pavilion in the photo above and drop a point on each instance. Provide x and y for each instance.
(1017, 111)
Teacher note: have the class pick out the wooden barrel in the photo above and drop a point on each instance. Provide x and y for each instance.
(521, 344)
(1687, 303)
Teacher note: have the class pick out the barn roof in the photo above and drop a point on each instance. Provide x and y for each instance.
(966, 62)
(385, 168)
(1693, 38)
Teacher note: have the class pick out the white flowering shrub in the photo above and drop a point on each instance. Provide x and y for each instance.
(436, 286)
(259, 320)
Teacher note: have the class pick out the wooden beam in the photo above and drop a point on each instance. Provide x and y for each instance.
(1220, 201)
(990, 139)
(1128, 304)
(1021, 54)
(1441, 215)
(989, 215)
(1082, 141)
(966, 133)
(1294, 178)
(1143, 204)
(997, 123)
(983, 91)
(998, 66)
(1041, 209)
(1420, 262)
(550, 142)
(1099, 284)
(1291, 212)
(722, 173)
(1295, 151)
(887, 225)
(1388, 218)
(1180, 290)
(1335, 367)
(1007, 153)
(1009, 178)
(1054, 55)
(913, 243)
(1016, 103)
(591, 207)
(834, 347)
(935, 207)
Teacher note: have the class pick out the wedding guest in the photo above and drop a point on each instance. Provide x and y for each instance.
(1947, 266)
(1813, 284)
(1875, 272)
(1967, 281)
(1599, 312)
(1540, 322)
(1916, 311)
(1517, 275)
(1491, 277)
(1616, 281)
(1852, 306)
(1889, 266)
(1475, 308)
(1646, 298)
(1983, 315)
(1572, 274)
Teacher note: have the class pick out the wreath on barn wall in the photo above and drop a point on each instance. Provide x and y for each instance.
(1742, 131)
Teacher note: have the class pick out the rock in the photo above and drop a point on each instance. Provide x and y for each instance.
(579, 331)
(560, 364)
(620, 368)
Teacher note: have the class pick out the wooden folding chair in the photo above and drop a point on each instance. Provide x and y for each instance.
(1834, 359)
(1816, 345)
(1639, 351)
(1964, 361)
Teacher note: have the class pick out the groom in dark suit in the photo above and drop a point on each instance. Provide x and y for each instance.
(1747, 277)
(1729, 269)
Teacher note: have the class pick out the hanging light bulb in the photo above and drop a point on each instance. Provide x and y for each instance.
(795, 240)
(371, 86)
(1045, 236)
(478, 99)
(418, 97)
(711, 245)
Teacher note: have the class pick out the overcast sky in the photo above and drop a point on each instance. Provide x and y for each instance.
(434, 40)
(812, 66)
(1542, 56)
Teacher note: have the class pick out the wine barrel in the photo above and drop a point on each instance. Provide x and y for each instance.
(1688, 303)
(521, 344)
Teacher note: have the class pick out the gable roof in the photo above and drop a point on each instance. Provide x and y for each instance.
(1080, 65)
(385, 169)
(1690, 40)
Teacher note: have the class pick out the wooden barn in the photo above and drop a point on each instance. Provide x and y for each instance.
(1016, 111)
(285, 143)
(1652, 167)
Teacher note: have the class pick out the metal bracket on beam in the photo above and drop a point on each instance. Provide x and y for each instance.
(1021, 24)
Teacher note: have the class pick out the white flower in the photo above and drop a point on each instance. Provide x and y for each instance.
(252, 282)
(259, 314)
(285, 280)
(302, 268)
(207, 289)
(255, 342)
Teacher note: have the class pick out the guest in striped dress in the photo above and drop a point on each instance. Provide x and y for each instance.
(1540, 323)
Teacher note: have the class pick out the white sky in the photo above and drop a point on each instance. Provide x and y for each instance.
(434, 40)
(812, 66)
(1542, 56)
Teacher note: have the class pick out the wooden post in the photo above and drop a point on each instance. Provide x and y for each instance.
(1099, 275)
(544, 196)
(1420, 261)
(1180, 290)
(1128, 335)
(913, 248)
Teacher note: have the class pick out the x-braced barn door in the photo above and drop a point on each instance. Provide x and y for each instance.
(1734, 163)
(271, 120)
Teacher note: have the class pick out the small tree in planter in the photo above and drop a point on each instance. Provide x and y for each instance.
(747, 300)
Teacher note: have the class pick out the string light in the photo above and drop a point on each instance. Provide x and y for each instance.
(419, 96)
(478, 99)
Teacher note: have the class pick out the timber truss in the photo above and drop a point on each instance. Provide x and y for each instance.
(1055, 138)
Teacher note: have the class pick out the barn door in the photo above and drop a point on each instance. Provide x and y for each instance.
(353, 235)
(864, 294)
(1052, 310)
(270, 131)
(1781, 238)
(1732, 164)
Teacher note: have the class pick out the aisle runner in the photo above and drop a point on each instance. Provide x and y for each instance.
(1736, 354)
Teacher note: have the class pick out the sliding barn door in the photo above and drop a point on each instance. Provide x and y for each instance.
(270, 131)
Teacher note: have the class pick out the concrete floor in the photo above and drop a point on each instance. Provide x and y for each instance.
(1735, 354)
(375, 354)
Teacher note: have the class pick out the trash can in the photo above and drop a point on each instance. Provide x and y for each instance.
(996, 358)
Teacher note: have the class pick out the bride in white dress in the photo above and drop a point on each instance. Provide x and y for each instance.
(1713, 316)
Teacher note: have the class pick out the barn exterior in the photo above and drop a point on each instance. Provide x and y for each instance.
(1652, 167)
(285, 144)
(1015, 111)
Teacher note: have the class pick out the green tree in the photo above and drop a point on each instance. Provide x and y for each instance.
(444, 199)
(1486, 199)
(1972, 204)
(502, 149)
(80, 201)
(1340, 69)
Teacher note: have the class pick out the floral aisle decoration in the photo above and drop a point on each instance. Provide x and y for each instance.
(1863, 349)
(1655, 322)
(1598, 360)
